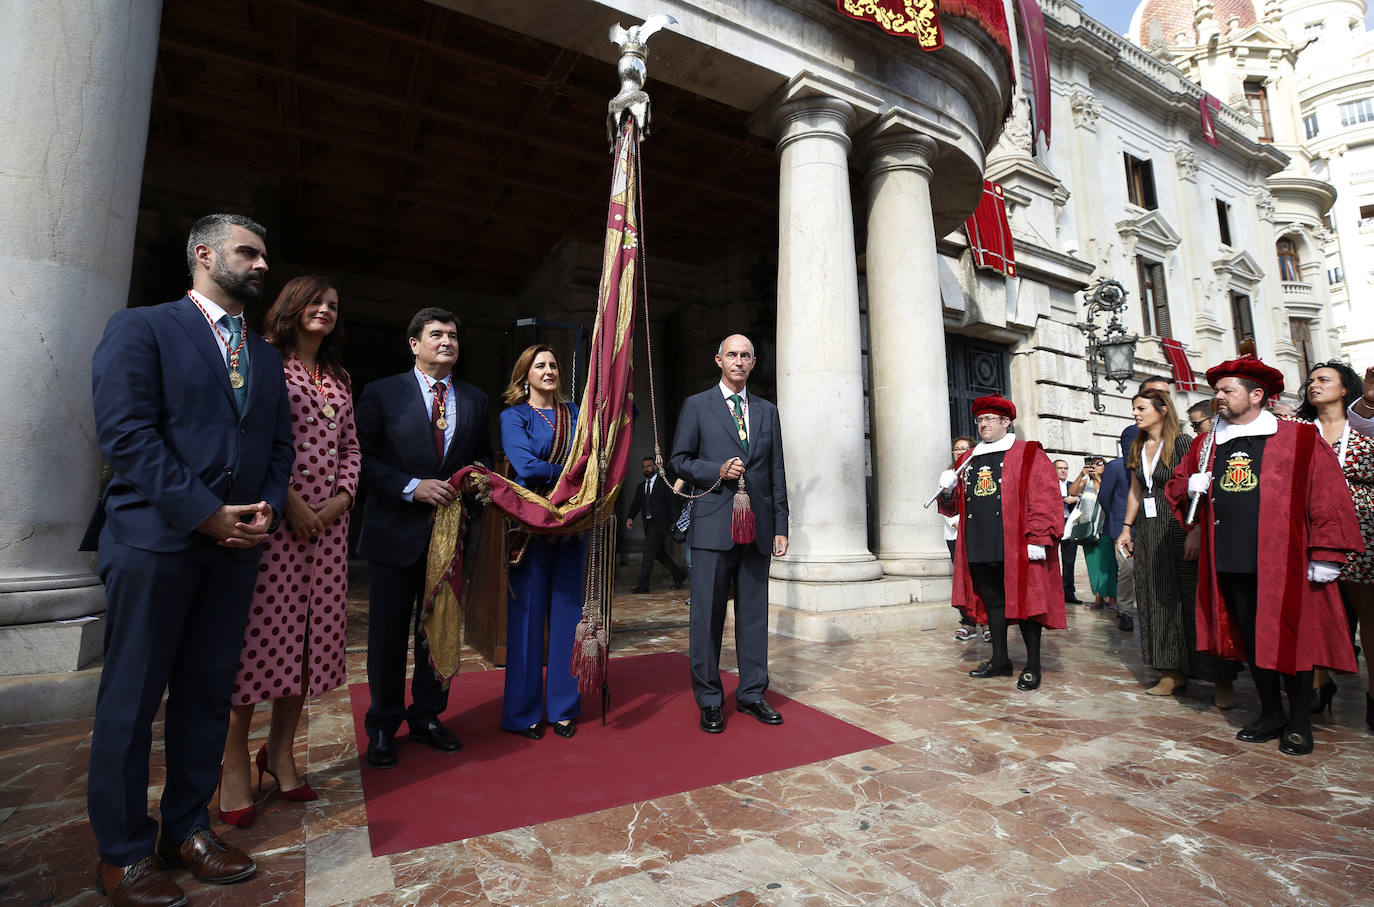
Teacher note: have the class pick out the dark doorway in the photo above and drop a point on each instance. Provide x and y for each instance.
(976, 368)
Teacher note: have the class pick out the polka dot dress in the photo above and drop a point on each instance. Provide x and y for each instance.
(295, 639)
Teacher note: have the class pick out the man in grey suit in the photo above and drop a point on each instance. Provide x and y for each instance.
(728, 438)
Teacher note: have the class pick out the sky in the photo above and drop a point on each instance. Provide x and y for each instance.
(1116, 14)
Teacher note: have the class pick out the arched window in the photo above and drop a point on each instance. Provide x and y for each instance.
(1288, 261)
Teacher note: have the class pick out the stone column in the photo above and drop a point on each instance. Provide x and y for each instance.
(820, 382)
(909, 392)
(77, 86)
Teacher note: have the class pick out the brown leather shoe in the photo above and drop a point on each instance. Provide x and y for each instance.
(208, 858)
(144, 884)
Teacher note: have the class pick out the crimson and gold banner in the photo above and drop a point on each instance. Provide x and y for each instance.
(583, 499)
(919, 19)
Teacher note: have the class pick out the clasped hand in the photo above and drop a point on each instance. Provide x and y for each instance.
(732, 468)
(239, 525)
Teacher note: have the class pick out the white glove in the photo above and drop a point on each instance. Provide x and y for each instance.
(1035, 552)
(1322, 571)
(948, 479)
(1199, 482)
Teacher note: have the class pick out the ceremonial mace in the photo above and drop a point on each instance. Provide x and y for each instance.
(1206, 455)
(957, 474)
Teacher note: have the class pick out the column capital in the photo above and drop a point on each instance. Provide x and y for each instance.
(901, 140)
(811, 104)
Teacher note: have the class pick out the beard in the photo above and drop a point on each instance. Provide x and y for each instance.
(244, 288)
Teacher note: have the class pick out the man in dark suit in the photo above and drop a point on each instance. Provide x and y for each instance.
(191, 413)
(653, 497)
(415, 430)
(728, 438)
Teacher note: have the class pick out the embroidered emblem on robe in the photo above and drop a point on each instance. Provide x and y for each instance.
(985, 486)
(1239, 476)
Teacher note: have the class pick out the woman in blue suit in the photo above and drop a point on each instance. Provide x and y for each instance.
(546, 572)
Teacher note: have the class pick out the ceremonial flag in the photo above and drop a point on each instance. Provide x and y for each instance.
(583, 499)
(1037, 53)
(919, 19)
(1206, 105)
(1178, 362)
(989, 232)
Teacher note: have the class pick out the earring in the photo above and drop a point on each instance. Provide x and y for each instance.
(527, 388)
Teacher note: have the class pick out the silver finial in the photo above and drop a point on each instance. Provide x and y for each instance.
(634, 48)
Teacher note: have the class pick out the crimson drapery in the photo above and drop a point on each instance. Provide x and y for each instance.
(1207, 105)
(583, 498)
(1178, 361)
(919, 19)
(1038, 57)
(989, 232)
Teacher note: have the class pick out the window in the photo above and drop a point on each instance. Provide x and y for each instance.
(1288, 261)
(1366, 216)
(1301, 331)
(1309, 123)
(1329, 220)
(1333, 276)
(1258, 100)
(1140, 183)
(1224, 222)
(1242, 321)
(1354, 112)
(1154, 301)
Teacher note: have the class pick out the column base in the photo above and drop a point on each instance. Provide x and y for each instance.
(35, 698)
(831, 612)
(52, 647)
(916, 563)
(843, 569)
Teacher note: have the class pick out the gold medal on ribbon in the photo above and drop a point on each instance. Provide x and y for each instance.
(441, 423)
(328, 410)
(743, 435)
(235, 379)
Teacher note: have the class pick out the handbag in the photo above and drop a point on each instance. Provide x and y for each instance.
(1085, 526)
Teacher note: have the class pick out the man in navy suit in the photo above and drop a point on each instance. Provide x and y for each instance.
(727, 437)
(654, 499)
(191, 413)
(415, 430)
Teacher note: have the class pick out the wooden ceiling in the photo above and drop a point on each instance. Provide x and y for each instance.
(399, 139)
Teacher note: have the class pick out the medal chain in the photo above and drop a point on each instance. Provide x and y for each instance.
(234, 352)
(542, 416)
(441, 400)
(317, 379)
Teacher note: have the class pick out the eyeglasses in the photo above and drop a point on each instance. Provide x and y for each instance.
(1197, 426)
(988, 420)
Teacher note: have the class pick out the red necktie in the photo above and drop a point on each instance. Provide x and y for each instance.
(436, 414)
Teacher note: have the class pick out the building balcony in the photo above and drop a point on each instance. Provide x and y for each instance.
(1300, 299)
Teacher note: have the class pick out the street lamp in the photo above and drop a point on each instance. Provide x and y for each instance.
(1115, 347)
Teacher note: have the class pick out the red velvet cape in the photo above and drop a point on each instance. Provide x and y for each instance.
(1306, 514)
(1032, 514)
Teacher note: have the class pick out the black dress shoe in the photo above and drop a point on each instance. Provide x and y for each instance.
(712, 719)
(1072, 599)
(533, 732)
(1258, 732)
(1029, 680)
(434, 735)
(761, 710)
(988, 669)
(640, 590)
(565, 730)
(381, 750)
(1295, 744)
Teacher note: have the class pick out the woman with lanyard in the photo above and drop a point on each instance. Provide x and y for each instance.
(1331, 387)
(294, 643)
(546, 571)
(1166, 579)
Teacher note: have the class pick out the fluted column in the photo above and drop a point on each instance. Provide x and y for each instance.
(820, 382)
(76, 85)
(909, 390)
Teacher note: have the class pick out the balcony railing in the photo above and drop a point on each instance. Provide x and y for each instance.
(1298, 292)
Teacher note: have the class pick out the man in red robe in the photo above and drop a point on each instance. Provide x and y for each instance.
(1011, 517)
(1275, 487)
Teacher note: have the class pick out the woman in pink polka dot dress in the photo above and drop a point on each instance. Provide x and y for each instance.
(294, 643)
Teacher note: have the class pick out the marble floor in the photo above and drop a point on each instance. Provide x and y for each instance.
(1085, 792)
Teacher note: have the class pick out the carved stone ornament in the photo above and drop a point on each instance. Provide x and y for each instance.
(1264, 200)
(1086, 109)
(1016, 132)
(1185, 159)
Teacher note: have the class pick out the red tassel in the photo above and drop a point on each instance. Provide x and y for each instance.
(588, 656)
(742, 519)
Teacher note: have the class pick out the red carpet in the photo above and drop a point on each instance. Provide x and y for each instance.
(651, 747)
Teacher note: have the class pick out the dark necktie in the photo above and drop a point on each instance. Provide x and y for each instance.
(736, 405)
(235, 325)
(648, 486)
(436, 413)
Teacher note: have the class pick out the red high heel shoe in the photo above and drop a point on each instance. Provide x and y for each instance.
(302, 794)
(239, 818)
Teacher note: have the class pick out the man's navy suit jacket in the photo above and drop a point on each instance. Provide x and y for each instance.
(706, 437)
(397, 442)
(167, 424)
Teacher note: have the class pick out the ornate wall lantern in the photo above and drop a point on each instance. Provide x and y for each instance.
(1114, 351)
